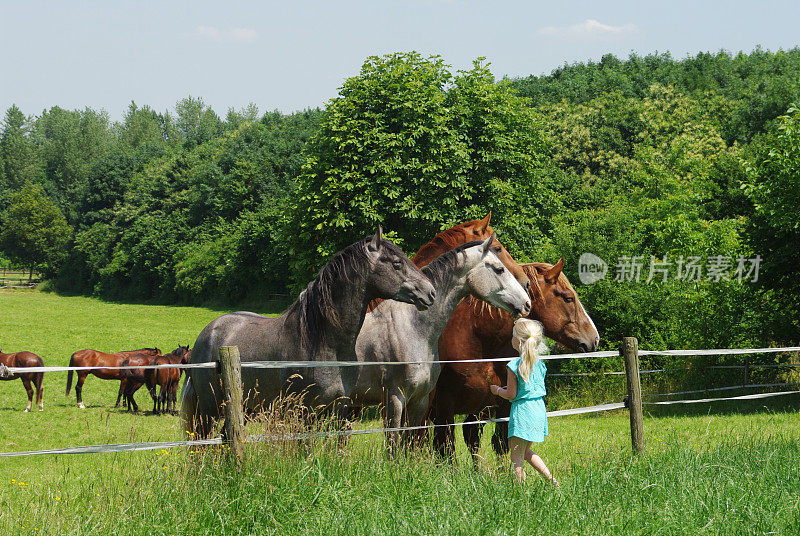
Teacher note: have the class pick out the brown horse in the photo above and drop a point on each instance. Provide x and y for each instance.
(133, 379)
(26, 359)
(477, 331)
(94, 358)
(167, 378)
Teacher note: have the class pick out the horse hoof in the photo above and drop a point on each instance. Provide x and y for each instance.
(81, 406)
(26, 410)
(41, 409)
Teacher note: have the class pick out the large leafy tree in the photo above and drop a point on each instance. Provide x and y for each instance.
(774, 187)
(409, 145)
(33, 232)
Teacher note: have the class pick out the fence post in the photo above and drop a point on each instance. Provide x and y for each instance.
(630, 351)
(230, 368)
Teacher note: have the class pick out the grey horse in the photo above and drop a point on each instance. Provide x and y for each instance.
(322, 325)
(397, 332)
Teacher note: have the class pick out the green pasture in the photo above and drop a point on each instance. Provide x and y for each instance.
(707, 469)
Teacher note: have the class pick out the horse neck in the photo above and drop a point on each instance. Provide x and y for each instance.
(349, 307)
(451, 288)
(491, 325)
(438, 246)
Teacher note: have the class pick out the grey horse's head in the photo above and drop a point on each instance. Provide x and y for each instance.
(393, 276)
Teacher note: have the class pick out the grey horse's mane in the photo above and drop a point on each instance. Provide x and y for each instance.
(316, 306)
(440, 267)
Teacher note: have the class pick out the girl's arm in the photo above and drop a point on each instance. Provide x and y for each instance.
(508, 392)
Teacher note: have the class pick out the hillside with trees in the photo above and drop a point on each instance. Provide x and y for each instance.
(648, 158)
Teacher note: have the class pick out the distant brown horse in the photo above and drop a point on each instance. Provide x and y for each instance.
(477, 331)
(167, 379)
(94, 358)
(133, 379)
(26, 359)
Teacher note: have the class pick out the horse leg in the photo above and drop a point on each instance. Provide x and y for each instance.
(472, 437)
(121, 393)
(129, 391)
(38, 379)
(416, 412)
(444, 435)
(173, 397)
(79, 389)
(27, 383)
(393, 410)
(500, 438)
(195, 425)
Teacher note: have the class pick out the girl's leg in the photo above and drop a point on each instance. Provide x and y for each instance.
(537, 463)
(516, 450)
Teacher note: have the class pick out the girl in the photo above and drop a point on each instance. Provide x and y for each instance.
(525, 389)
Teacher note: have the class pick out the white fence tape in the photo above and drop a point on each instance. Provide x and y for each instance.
(131, 447)
(720, 351)
(313, 364)
(701, 400)
(731, 388)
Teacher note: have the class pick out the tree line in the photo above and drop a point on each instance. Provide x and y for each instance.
(640, 159)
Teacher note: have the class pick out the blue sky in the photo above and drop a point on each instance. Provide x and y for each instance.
(292, 55)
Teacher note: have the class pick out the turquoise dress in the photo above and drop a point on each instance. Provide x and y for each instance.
(528, 419)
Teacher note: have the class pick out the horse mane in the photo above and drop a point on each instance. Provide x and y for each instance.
(315, 306)
(446, 240)
(438, 269)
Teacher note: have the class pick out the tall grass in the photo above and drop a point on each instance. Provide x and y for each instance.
(708, 469)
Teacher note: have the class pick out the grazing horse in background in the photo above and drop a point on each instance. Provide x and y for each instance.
(322, 325)
(94, 358)
(398, 332)
(134, 378)
(24, 360)
(477, 331)
(167, 379)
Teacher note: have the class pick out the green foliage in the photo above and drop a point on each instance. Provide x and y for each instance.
(774, 188)
(18, 158)
(411, 146)
(33, 232)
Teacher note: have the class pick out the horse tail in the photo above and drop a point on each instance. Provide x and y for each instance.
(69, 374)
(189, 409)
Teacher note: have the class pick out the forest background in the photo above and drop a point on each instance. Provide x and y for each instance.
(648, 159)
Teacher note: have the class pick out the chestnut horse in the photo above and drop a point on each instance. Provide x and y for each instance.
(167, 379)
(26, 359)
(94, 358)
(477, 331)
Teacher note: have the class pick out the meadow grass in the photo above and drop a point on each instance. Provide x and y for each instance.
(707, 469)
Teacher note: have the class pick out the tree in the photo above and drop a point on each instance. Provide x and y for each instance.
(774, 229)
(196, 122)
(33, 231)
(18, 159)
(409, 145)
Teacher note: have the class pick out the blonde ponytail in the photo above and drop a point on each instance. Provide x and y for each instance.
(530, 334)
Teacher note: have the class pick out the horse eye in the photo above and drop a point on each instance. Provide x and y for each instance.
(497, 249)
(499, 269)
(569, 299)
(397, 265)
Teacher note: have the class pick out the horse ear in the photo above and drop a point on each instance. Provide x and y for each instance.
(374, 243)
(485, 223)
(551, 275)
(487, 244)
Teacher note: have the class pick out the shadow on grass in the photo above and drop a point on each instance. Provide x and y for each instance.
(779, 404)
(264, 305)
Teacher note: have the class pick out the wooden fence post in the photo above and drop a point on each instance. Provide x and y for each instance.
(630, 351)
(230, 368)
